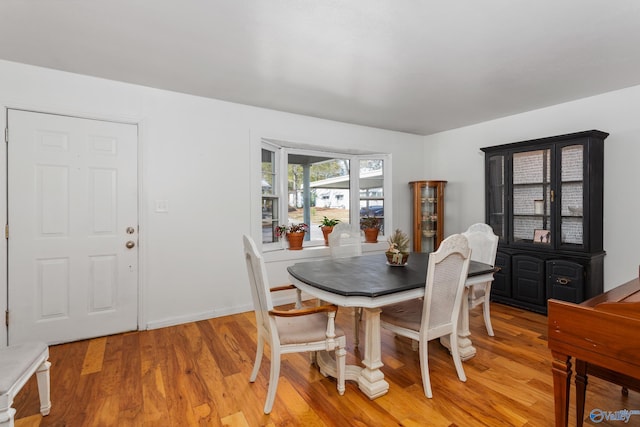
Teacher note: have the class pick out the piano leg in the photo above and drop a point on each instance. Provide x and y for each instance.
(561, 369)
(581, 390)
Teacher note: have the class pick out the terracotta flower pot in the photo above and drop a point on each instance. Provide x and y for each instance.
(371, 235)
(295, 241)
(326, 230)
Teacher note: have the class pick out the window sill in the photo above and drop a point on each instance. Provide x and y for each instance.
(314, 252)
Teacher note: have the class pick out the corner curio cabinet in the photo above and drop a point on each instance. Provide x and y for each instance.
(544, 199)
(428, 214)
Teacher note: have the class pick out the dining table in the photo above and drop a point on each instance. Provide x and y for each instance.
(368, 281)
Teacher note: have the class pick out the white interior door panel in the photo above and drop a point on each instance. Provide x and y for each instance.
(72, 209)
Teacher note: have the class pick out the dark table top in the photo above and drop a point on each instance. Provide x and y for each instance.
(370, 275)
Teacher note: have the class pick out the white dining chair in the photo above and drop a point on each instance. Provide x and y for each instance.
(346, 241)
(484, 246)
(308, 329)
(436, 315)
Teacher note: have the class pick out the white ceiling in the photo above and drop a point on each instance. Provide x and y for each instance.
(418, 66)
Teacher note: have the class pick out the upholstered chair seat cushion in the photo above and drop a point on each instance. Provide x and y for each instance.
(406, 314)
(303, 329)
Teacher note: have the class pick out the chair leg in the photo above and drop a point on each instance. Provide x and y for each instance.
(273, 380)
(357, 318)
(341, 354)
(424, 368)
(455, 353)
(44, 387)
(486, 309)
(487, 317)
(298, 299)
(258, 361)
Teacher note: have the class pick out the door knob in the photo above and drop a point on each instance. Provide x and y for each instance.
(130, 244)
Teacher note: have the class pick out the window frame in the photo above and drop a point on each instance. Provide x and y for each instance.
(283, 149)
(276, 193)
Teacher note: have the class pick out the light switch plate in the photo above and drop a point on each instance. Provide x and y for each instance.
(162, 206)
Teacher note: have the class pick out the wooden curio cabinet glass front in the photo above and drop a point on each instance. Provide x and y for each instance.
(428, 214)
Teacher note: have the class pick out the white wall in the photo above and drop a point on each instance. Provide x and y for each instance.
(455, 155)
(195, 153)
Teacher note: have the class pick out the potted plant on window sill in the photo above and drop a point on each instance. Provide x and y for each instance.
(326, 226)
(398, 252)
(295, 234)
(370, 225)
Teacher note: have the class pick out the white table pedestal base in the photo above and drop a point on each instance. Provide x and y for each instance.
(370, 378)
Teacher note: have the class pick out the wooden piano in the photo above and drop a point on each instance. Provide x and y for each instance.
(603, 335)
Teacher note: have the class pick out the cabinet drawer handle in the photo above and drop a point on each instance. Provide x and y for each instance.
(563, 280)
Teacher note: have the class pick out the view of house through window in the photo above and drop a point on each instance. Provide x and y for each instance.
(318, 184)
(327, 192)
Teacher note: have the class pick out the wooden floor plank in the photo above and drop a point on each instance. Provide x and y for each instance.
(94, 356)
(197, 374)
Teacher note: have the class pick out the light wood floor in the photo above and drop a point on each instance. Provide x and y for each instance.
(198, 374)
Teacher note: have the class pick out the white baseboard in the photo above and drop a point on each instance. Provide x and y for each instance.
(195, 317)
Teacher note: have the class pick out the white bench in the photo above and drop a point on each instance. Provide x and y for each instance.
(17, 364)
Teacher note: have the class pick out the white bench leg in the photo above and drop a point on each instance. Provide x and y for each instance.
(44, 387)
(19, 363)
(6, 417)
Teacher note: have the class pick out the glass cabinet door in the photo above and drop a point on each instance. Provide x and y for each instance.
(429, 213)
(541, 195)
(572, 195)
(496, 195)
(531, 197)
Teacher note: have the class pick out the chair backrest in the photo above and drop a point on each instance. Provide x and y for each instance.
(446, 276)
(483, 243)
(345, 241)
(260, 291)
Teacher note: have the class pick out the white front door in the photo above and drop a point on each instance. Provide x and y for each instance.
(73, 227)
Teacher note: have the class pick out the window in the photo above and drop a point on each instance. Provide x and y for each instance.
(372, 189)
(270, 200)
(305, 185)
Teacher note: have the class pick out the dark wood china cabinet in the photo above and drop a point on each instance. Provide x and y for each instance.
(544, 199)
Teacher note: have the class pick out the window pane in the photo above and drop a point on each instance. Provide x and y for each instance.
(371, 174)
(269, 198)
(318, 187)
(268, 172)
